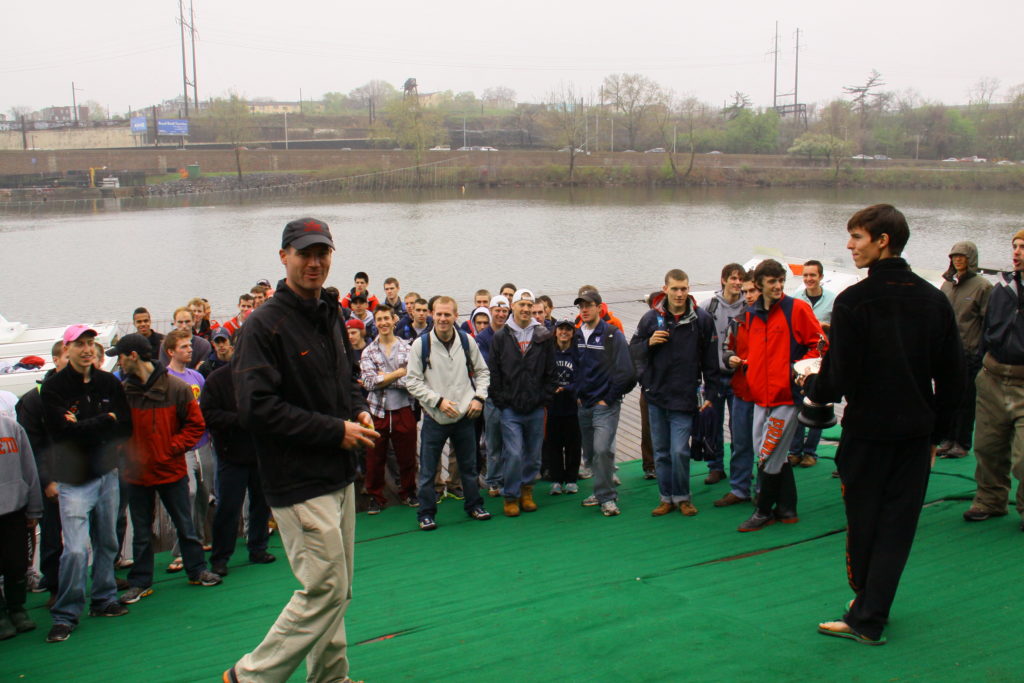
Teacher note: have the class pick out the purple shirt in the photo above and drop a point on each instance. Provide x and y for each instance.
(195, 382)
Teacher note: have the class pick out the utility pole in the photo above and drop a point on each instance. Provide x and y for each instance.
(74, 103)
(286, 129)
(796, 75)
(184, 66)
(775, 79)
(192, 31)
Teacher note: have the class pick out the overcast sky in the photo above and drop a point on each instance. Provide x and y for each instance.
(124, 53)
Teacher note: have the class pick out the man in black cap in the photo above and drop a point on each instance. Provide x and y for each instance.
(297, 392)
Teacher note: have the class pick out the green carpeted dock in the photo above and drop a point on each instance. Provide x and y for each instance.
(565, 594)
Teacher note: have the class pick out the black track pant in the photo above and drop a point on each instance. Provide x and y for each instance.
(884, 483)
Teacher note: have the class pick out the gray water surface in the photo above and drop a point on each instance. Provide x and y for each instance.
(62, 269)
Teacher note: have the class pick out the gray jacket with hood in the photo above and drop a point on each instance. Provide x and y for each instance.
(968, 294)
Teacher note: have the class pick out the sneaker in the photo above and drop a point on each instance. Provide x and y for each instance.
(976, 514)
(590, 501)
(616, 480)
(955, 451)
(556, 489)
(411, 501)
(262, 557)
(374, 507)
(808, 461)
(941, 449)
(649, 474)
(571, 488)
(124, 563)
(457, 494)
(134, 594)
(59, 633)
(609, 508)
(439, 497)
(687, 508)
(756, 522)
(585, 472)
(493, 491)
(479, 514)
(219, 569)
(427, 524)
(111, 609)
(205, 578)
(22, 622)
(662, 509)
(835, 474)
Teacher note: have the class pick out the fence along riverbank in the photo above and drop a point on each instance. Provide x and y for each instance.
(447, 173)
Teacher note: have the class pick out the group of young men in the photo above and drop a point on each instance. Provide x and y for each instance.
(308, 383)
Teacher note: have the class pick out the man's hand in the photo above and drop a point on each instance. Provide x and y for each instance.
(51, 490)
(365, 419)
(449, 408)
(659, 337)
(475, 408)
(399, 374)
(70, 417)
(735, 361)
(358, 435)
(705, 406)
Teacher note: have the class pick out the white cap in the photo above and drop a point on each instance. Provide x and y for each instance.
(521, 294)
(499, 300)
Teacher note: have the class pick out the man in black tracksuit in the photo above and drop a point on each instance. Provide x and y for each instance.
(893, 334)
(523, 382)
(295, 384)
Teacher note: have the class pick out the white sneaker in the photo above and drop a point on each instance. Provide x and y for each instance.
(590, 501)
(609, 508)
(616, 480)
(556, 489)
(585, 472)
(572, 488)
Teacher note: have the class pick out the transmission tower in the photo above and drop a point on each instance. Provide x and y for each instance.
(189, 26)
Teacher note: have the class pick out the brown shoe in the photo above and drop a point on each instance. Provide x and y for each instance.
(808, 461)
(687, 508)
(526, 503)
(794, 459)
(511, 507)
(729, 499)
(662, 509)
(714, 476)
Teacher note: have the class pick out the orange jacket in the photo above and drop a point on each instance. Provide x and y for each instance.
(607, 316)
(166, 422)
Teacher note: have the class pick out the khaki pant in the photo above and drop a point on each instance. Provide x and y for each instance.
(318, 536)
(999, 441)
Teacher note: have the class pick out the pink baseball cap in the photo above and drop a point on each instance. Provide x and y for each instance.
(76, 331)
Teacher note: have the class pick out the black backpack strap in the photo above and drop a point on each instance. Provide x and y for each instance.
(425, 351)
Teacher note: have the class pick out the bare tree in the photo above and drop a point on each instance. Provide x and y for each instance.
(232, 122)
(981, 93)
(632, 96)
(500, 97)
(373, 94)
(567, 114)
(864, 96)
(740, 102)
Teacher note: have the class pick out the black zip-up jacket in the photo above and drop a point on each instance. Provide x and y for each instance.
(893, 334)
(522, 382)
(1003, 332)
(29, 410)
(231, 442)
(89, 447)
(294, 379)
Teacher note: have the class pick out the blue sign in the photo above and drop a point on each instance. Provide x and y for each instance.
(172, 126)
(139, 124)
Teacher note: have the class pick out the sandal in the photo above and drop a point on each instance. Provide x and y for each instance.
(176, 565)
(840, 629)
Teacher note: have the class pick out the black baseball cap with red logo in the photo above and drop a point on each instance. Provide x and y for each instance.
(305, 232)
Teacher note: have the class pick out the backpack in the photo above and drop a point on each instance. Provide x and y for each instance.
(464, 338)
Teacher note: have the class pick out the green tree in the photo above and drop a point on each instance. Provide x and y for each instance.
(753, 133)
(414, 127)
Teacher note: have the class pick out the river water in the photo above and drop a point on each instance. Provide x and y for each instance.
(99, 266)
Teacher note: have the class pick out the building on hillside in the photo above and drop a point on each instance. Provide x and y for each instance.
(63, 113)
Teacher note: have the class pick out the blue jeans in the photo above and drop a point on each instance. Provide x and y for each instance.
(805, 441)
(726, 397)
(174, 496)
(87, 512)
(492, 437)
(432, 437)
(522, 436)
(234, 481)
(670, 436)
(741, 457)
(598, 425)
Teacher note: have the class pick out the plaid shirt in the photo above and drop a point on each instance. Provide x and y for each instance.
(374, 365)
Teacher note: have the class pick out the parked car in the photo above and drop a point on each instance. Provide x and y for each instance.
(950, 160)
(882, 157)
(1005, 162)
(441, 148)
(862, 157)
(655, 150)
(566, 149)
(487, 149)
(714, 151)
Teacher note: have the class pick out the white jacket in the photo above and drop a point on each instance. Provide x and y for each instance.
(447, 376)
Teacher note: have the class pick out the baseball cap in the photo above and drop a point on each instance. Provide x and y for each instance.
(356, 323)
(499, 300)
(565, 322)
(588, 296)
(220, 333)
(304, 232)
(131, 342)
(76, 331)
(521, 294)
(358, 299)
